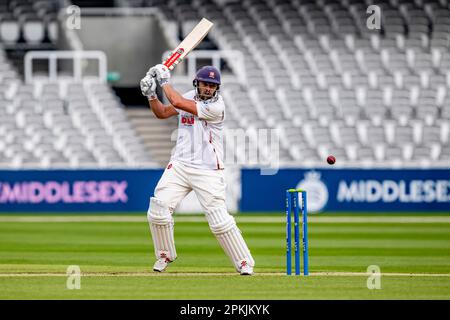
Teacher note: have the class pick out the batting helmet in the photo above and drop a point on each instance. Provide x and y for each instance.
(207, 74)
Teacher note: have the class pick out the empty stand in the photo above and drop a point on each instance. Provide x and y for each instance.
(64, 123)
(314, 71)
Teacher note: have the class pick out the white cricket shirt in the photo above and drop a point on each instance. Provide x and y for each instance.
(200, 138)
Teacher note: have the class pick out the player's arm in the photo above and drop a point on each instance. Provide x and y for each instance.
(177, 100)
(160, 110)
(162, 73)
(148, 88)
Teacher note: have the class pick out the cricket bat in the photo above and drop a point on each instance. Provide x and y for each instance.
(189, 43)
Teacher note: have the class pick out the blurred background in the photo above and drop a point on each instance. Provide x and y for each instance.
(365, 81)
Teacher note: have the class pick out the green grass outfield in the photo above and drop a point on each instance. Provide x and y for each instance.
(115, 255)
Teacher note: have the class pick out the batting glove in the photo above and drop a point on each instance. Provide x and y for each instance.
(148, 87)
(162, 74)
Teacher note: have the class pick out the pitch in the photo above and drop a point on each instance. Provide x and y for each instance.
(115, 256)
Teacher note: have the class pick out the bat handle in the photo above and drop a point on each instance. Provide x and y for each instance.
(171, 65)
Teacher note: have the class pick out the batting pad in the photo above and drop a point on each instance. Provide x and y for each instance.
(224, 227)
(161, 226)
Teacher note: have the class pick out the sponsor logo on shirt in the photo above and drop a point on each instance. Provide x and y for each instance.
(187, 120)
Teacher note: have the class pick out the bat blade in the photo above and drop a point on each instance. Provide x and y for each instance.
(189, 43)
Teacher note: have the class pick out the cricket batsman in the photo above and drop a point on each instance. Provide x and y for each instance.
(196, 164)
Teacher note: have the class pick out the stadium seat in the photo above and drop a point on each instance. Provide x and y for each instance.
(313, 67)
(9, 29)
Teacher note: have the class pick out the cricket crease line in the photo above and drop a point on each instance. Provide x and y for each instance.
(215, 274)
(202, 219)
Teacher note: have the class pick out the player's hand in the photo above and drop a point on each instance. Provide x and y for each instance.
(162, 74)
(148, 87)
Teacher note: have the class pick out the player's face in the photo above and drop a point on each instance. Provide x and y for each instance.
(206, 89)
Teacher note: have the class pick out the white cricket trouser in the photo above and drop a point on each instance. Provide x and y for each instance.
(210, 187)
(178, 180)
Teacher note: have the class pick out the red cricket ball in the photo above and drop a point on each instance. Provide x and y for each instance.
(331, 159)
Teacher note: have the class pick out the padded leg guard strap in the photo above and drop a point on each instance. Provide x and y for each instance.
(161, 226)
(223, 225)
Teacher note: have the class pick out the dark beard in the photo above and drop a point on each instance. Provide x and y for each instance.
(205, 97)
